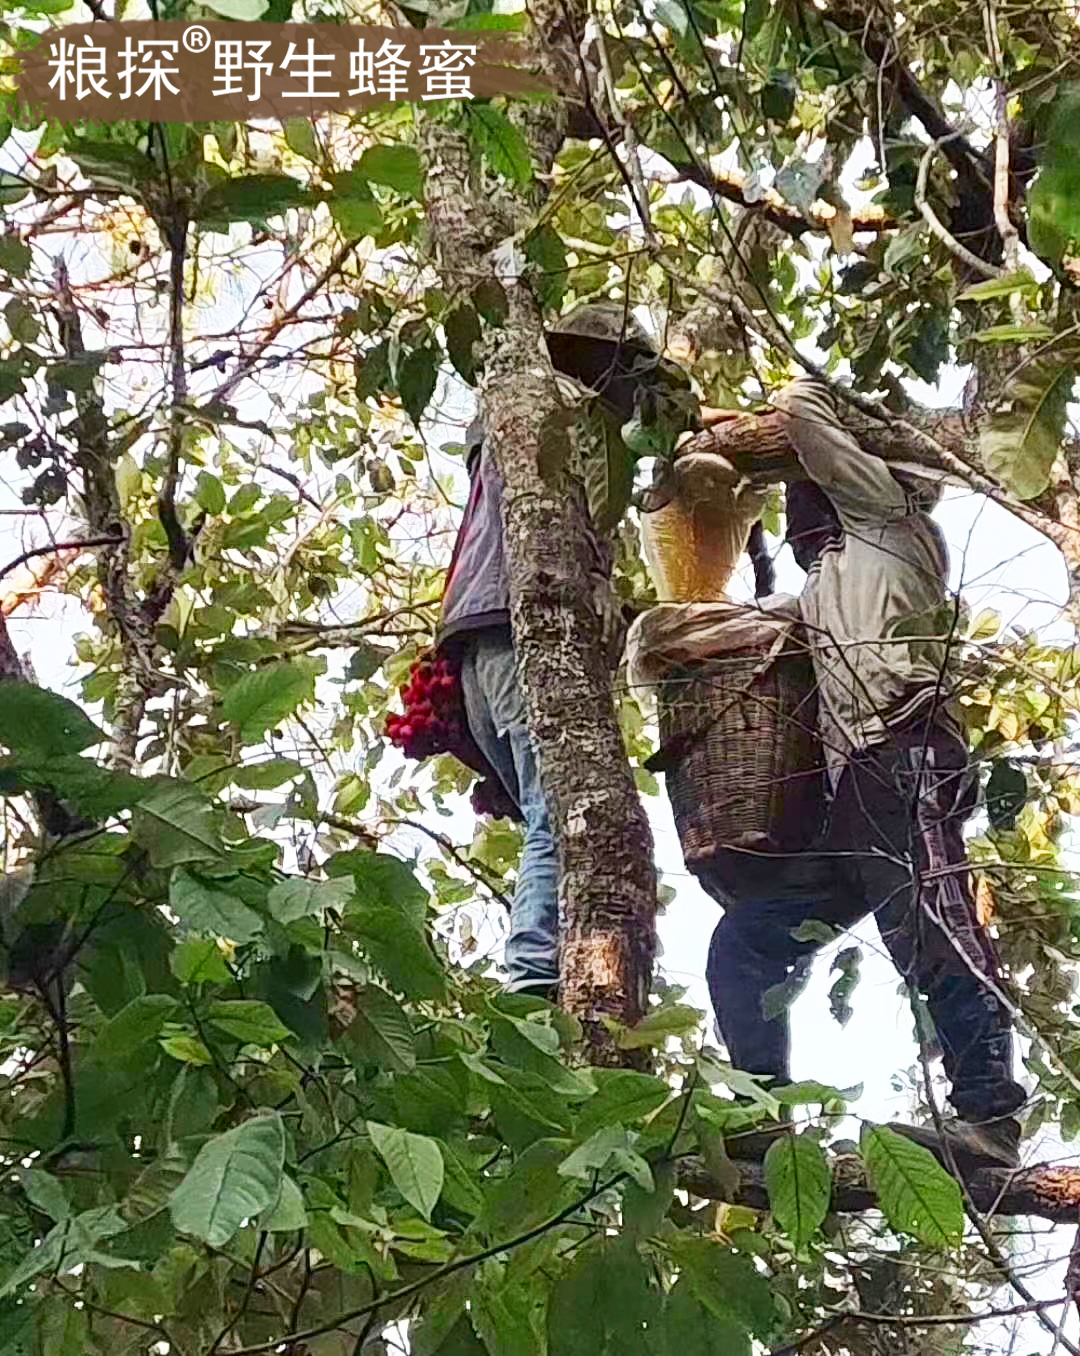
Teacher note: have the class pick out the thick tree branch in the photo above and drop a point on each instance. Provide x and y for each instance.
(1047, 1191)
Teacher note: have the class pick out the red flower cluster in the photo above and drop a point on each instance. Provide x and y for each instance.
(434, 717)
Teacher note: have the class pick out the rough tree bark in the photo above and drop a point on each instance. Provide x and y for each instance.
(608, 886)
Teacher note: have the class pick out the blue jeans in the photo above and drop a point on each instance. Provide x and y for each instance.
(495, 707)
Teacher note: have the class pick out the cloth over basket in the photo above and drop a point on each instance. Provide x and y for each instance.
(737, 706)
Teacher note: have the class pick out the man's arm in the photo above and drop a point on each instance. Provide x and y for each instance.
(861, 486)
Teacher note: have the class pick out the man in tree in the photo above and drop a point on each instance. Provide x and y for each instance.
(878, 615)
(605, 350)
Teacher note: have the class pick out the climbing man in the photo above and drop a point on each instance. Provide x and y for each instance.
(606, 351)
(877, 610)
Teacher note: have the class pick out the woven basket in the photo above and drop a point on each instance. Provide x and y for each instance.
(739, 748)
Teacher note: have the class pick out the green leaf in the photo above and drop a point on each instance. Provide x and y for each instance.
(799, 1183)
(1006, 285)
(381, 1031)
(657, 1026)
(42, 724)
(622, 1097)
(727, 1284)
(261, 700)
(249, 1021)
(176, 823)
(602, 1304)
(251, 197)
(532, 1191)
(266, 776)
(401, 952)
(235, 1175)
(916, 1194)
(204, 908)
(187, 1049)
(210, 493)
(1020, 439)
(287, 1215)
(1032, 333)
(353, 205)
(688, 1328)
(645, 1211)
(417, 376)
(500, 143)
(798, 183)
(462, 330)
(110, 164)
(199, 960)
(546, 253)
(609, 1146)
(238, 9)
(297, 897)
(382, 878)
(45, 1192)
(133, 1026)
(1006, 794)
(300, 137)
(14, 256)
(609, 468)
(397, 167)
(414, 1162)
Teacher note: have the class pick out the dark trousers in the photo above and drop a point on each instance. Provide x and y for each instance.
(895, 847)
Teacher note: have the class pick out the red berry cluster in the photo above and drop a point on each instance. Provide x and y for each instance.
(434, 717)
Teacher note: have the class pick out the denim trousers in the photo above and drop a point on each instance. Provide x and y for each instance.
(894, 847)
(495, 708)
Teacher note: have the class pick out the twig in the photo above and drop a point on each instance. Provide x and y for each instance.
(55, 548)
(938, 227)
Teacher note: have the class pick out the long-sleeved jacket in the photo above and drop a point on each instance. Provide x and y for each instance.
(477, 593)
(876, 601)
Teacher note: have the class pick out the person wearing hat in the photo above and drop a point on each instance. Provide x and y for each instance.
(605, 350)
(879, 617)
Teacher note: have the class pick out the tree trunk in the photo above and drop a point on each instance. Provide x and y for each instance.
(608, 882)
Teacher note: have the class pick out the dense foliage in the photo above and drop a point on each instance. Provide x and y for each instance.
(260, 1091)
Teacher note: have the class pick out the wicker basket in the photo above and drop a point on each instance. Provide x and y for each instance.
(739, 748)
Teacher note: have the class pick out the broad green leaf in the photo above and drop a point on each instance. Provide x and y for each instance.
(417, 376)
(297, 897)
(461, 328)
(382, 878)
(110, 164)
(728, 1284)
(46, 1192)
(1006, 285)
(268, 775)
(207, 909)
(14, 256)
(398, 167)
(261, 700)
(176, 823)
(210, 493)
(622, 1097)
(644, 1211)
(21, 321)
(287, 1214)
(66, 1331)
(916, 1194)
(414, 1162)
(532, 1191)
(251, 197)
(42, 724)
(139, 1022)
(688, 1328)
(602, 1304)
(235, 1176)
(799, 1182)
(381, 1031)
(658, 1026)
(399, 950)
(609, 468)
(199, 960)
(546, 254)
(353, 205)
(69, 1243)
(300, 137)
(500, 143)
(1020, 439)
(249, 1021)
(187, 1049)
